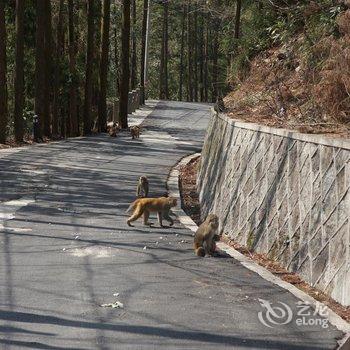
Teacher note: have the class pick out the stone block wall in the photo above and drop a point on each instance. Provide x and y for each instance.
(282, 193)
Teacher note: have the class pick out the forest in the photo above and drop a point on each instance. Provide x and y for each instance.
(66, 61)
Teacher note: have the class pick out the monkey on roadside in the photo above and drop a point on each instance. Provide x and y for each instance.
(135, 132)
(205, 237)
(113, 131)
(113, 128)
(142, 187)
(220, 105)
(146, 206)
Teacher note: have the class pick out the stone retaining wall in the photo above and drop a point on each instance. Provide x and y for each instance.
(282, 193)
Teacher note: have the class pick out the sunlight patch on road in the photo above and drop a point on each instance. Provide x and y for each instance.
(33, 171)
(96, 252)
(8, 210)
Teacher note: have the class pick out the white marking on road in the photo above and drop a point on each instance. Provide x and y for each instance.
(333, 318)
(96, 252)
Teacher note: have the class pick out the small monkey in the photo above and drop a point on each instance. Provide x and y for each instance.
(142, 187)
(205, 237)
(135, 132)
(113, 129)
(146, 206)
(220, 105)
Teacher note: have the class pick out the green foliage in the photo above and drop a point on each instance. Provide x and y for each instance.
(276, 23)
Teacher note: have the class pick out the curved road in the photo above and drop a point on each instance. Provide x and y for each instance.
(66, 249)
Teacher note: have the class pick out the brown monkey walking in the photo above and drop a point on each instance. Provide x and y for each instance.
(135, 132)
(142, 187)
(205, 237)
(145, 206)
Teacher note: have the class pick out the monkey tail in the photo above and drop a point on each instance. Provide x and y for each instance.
(200, 252)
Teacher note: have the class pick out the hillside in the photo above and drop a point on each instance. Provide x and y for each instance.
(302, 80)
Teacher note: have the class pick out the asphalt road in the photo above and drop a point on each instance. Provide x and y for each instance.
(65, 249)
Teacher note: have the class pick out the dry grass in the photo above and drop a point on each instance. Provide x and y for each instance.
(290, 89)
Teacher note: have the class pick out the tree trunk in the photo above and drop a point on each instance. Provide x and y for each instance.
(163, 79)
(73, 84)
(161, 70)
(206, 55)
(143, 47)
(48, 66)
(19, 72)
(201, 59)
(189, 54)
(195, 57)
(215, 70)
(238, 19)
(88, 69)
(134, 52)
(3, 70)
(182, 49)
(40, 65)
(116, 61)
(125, 73)
(166, 50)
(57, 70)
(102, 107)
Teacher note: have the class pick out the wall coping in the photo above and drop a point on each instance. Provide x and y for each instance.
(318, 139)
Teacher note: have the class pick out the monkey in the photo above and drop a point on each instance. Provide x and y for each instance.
(142, 187)
(145, 206)
(135, 132)
(220, 105)
(205, 237)
(113, 129)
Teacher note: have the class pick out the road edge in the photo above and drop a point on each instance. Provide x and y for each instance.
(333, 318)
(135, 118)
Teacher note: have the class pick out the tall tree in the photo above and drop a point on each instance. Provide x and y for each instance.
(166, 49)
(48, 67)
(182, 51)
(102, 106)
(19, 72)
(201, 58)
(163, 78)
(143, 47)
(116, 62)
(195, 56)
(57, 69)
(189, 54)
(89, 69)
(206, 55)
(134, 48)
(125, 67)
(215, 58)
(40, 65)
(3, 90)
(73, 83)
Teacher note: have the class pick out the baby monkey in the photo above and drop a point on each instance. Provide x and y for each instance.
(142, 187)
(145, 206)
(135, 132)
(205, 237)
